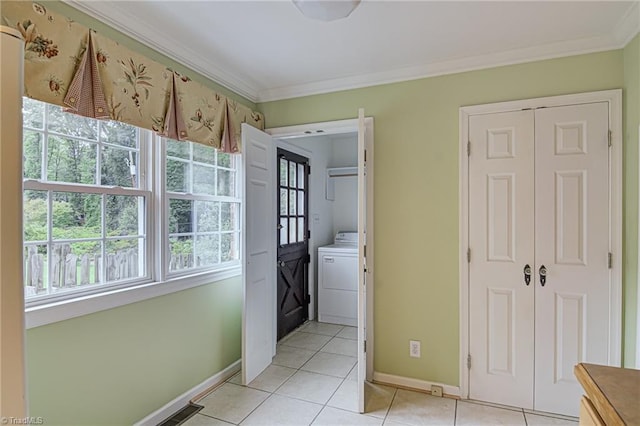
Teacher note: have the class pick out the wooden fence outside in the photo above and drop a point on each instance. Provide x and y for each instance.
(69, 270)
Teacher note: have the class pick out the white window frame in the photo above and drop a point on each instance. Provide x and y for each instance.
(157, 282)
(164, 200)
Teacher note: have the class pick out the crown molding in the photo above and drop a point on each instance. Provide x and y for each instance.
(470, 63)
(628, 26)
(158, 41)
(625, 30)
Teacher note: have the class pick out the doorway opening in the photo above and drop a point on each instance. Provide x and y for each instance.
(293, 242)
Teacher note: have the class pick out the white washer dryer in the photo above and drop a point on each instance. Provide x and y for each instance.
(338, 279)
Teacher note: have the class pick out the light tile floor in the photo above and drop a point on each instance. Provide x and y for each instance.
(312, 381)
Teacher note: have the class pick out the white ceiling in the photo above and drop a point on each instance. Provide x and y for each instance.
(266, 50)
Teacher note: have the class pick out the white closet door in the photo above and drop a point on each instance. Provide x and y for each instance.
(572, 242)
(501, 234)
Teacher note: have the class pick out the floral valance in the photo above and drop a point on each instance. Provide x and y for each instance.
(72, 66)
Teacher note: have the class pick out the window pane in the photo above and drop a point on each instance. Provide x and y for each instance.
(35, 215)
(124, 214)
(72, 124)
(119, 167)
(181, 253)
(177, 176)
(32, 152)
(284, 172)
(180, 216)
(36, 270)
(207, 250)
(300, 202)
(125, 259)
(74, 264)
(292, 202)
(230, 219)
(284, 231)
(204, 180)
(208, 216)
(32, 113)
(229, 247)
(225, 160)
(292, 174)
(117, 133)
(301, 176)
(283, 201)
(300, 229)
(70, 160)
(76, 215)
(292, 230)
(178, 149)
(226, 183)
(204, 154)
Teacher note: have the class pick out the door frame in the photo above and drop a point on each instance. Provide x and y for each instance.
(334, 128)
(614, 99)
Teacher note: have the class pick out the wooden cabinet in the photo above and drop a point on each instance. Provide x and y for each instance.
(612, 395)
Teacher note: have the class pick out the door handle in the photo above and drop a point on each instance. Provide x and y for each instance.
(527, 274)
(281, 264)
(543, 275)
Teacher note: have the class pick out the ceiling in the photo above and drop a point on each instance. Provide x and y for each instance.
(267, 50)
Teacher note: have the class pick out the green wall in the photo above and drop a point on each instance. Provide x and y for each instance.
(117, 366)
(631, 122)
(416, 191)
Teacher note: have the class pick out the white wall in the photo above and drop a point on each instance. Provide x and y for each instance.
(345, 205)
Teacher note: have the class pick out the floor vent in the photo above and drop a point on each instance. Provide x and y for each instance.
(183, 415)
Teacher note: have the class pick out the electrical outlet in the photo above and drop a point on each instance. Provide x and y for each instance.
(414, 348)
(436, 390)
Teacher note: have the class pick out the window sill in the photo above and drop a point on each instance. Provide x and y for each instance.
(59, 311)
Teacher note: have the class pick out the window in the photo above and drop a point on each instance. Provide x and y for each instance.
(92, 214)
(203, 207)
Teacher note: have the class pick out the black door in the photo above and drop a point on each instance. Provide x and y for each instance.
(293, 244)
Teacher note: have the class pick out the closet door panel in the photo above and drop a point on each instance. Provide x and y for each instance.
(501, 240)
(572, 245)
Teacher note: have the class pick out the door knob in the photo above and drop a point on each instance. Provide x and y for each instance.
(543, 275)
(527, 274)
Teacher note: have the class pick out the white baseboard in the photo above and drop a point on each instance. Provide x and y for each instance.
(176, 404)
(407, 382)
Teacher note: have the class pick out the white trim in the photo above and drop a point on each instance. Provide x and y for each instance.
(179, 402)
(407, 382)
(157, 39)
(628, 26)
(72, 308)
(341, 127)
(614, 98)
(327, 128)
(625, 30)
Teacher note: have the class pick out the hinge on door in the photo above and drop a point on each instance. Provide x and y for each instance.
(469, 255)
(308, 299)
(610, 138)
(365, 346)
(308, 169)
(307, 258)
(469, 361)
(610, 260)
(365, 251)
(308, 234)
(468, 148)
(365, 155)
